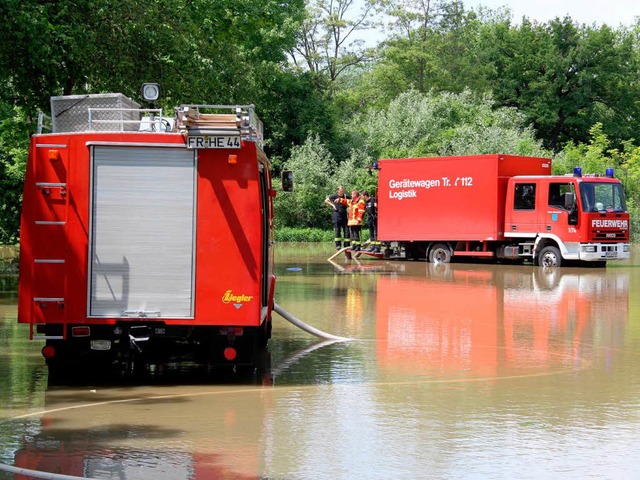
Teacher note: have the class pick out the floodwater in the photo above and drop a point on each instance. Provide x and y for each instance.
(455, 371)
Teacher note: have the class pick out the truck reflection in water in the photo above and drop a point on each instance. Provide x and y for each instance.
(164, 437)
(480, 321)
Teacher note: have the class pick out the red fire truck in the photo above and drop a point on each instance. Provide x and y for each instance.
(500, 207)
(147, 239)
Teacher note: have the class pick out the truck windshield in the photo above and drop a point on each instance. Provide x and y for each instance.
(602, 197)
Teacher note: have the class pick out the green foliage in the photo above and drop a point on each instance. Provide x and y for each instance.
(312, 165)
(435, 47)
(295, 109)
(200, 50)
(289, 234)
(14, 140)
(416, 125)
(565, 77)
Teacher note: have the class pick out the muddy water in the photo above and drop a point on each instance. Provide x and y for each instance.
(456, 371)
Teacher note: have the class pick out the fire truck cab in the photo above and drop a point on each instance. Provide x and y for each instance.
(147, 239)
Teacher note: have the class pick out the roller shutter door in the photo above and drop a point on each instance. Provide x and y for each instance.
(142, 238)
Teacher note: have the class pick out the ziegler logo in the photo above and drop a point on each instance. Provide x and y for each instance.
(229, 297)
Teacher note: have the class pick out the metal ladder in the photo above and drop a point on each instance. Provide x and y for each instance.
(49, 242)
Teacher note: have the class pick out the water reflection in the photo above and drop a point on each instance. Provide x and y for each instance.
(476, 320)
(458, 371)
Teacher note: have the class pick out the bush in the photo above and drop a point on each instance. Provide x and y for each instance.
(290, 234)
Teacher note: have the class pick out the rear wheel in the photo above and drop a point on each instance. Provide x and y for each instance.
(440, 253)
(550, 256)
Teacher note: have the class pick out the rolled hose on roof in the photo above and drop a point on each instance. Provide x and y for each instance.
(307, 328)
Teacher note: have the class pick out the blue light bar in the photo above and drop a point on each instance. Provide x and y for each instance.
(609, 172)
(577, 171)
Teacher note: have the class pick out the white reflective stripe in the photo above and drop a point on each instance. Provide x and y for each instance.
(50, 145)
(50, 184)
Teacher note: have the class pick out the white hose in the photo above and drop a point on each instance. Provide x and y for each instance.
(307, 328)
(38, 474)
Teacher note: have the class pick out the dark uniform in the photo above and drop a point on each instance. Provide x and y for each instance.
(339, 219)
(371, 208)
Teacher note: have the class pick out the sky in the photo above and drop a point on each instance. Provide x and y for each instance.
(612, 12)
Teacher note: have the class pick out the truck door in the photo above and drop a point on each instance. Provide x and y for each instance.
(521, 217)
(556, 214)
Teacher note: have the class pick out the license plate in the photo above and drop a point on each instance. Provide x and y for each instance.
(611, 254)
(213, 141)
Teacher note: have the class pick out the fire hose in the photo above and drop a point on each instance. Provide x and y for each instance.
(307, 328)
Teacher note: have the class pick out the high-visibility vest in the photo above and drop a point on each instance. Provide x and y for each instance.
(355, 210)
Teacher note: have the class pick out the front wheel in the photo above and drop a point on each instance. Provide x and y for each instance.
(440, 253)
(550, 257)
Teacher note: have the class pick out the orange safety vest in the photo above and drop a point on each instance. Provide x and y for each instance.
(355, 210)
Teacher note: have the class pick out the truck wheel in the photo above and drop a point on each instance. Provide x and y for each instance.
(550, 257)
(440, 253)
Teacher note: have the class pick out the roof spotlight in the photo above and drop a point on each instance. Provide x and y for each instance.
(150, 91)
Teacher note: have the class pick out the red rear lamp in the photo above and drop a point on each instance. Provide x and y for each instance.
(230, 353)
(80, 331)
(48, 351)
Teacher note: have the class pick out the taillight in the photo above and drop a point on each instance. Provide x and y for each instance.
(80, 331)
(48, 351)
(230, 353)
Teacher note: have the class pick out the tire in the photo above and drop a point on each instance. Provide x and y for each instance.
(550, 256)
(440, 253)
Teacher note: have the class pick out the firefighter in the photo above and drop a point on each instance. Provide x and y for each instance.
(339, 217)
(355, 213)
(371, 207)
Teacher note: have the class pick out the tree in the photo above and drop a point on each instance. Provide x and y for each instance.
(313, 167)
(294, 110)
(14, 140)
(566, 77)
(326, 41)
(433, 124)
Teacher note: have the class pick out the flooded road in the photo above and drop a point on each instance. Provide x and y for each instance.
(455, 371)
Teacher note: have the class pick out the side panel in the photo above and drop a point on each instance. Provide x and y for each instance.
(229, 237)
(142, 232)
(44, 225)
(442, 198)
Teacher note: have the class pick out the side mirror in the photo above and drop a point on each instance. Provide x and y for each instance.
(570, 205)
(287, 181)
(569, 200)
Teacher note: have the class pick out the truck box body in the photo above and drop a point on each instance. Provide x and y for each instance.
(448, 198)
